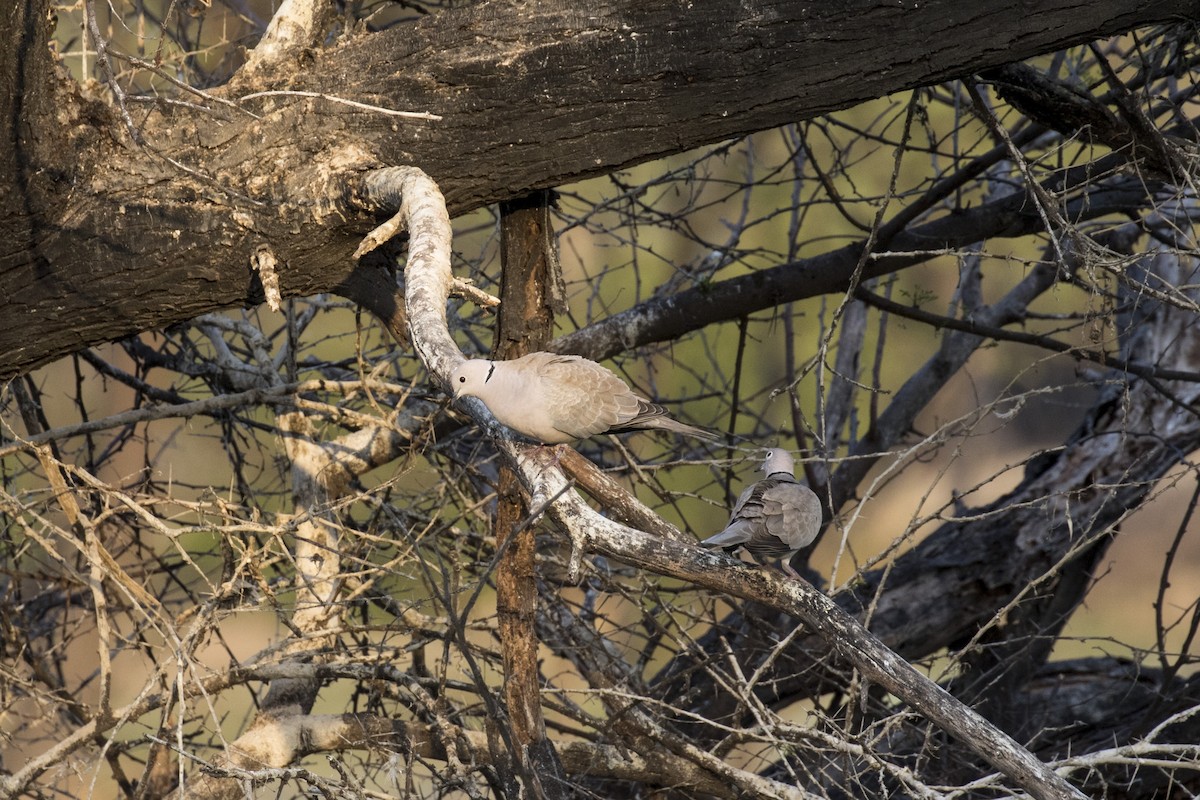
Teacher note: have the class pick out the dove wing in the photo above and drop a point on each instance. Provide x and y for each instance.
(790, 513)
(583, 398)
(744, 521)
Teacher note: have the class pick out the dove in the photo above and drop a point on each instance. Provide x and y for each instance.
(555, 399)
(774, 517)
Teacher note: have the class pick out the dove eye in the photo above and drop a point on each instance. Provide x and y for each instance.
(462, 378)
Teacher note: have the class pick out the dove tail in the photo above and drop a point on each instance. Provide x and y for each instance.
(652, 416)
(729, 539)
(675, 426)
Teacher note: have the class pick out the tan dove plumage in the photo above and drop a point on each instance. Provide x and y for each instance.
(555, 399)
(774, 517)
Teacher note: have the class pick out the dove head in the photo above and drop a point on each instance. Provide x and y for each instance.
(779, 461)
(471, 377)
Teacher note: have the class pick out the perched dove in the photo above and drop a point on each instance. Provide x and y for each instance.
(556, 399)
(774, 517)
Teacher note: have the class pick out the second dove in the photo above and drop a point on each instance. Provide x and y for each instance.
(773, 518)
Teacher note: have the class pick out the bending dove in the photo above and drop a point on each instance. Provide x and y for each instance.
(555, 399)
(774, 517)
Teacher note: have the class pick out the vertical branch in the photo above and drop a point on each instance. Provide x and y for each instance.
(839, 402)
(296, 25)
(317, 553)
(64, 495)
(110, 78)
(531, 277)
(734, 403)
(527, 305)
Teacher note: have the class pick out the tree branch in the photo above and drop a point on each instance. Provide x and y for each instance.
(168, 232)
(545, 481)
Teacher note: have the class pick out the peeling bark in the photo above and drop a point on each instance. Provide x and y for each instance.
(110, 238)
(529, 270)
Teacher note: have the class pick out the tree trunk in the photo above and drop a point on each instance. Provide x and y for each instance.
(107, 237)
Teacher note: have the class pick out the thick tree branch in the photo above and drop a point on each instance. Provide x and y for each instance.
(167, 232)
(663, 319)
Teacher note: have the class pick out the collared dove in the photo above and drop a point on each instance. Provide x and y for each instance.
(555, 399)
(774, 517)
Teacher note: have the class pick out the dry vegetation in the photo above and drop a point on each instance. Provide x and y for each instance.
(202, 522)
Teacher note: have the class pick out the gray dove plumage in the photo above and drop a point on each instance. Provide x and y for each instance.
(774, 517)
(554, 399)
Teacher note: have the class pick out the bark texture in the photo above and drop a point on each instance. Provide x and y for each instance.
(108, 237)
